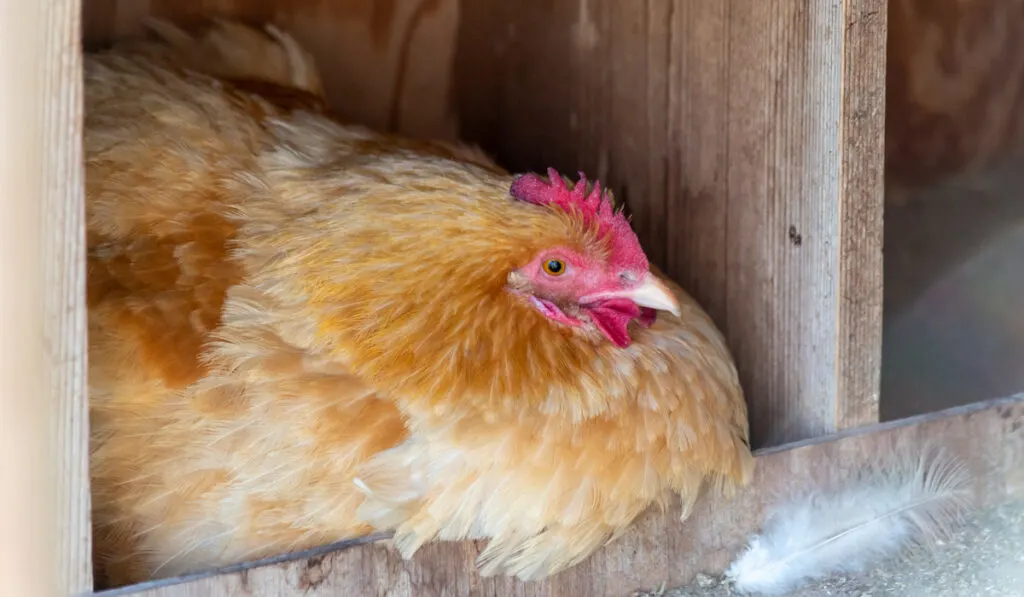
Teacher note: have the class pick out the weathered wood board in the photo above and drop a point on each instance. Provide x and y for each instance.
(65, 272)
(988, 438)
(44, 490)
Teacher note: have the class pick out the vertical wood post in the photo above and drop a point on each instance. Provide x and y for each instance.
(44, 440)
(861, 200)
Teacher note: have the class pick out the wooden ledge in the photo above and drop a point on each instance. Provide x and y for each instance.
(989, 437)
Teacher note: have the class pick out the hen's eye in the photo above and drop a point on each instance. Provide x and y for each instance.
(554, 267)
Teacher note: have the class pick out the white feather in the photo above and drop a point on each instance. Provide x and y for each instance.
(876, 517)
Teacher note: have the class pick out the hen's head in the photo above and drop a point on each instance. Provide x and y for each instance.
(601, 287)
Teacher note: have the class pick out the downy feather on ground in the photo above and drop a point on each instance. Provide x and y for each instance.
(912, 502)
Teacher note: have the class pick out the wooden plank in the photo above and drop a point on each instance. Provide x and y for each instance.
(65, 272)
(989, 438)
(386, 64)
(745, 139)
(44, 437)
(862, 143)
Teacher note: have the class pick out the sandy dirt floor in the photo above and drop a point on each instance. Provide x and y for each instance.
(985, 558)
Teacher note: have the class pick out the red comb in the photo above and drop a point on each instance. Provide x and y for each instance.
(595, 207)
(531, 188)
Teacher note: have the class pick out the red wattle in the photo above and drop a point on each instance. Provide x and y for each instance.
(613, 317)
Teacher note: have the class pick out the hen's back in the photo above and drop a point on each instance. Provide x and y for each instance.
(164, 148)
(180, 482)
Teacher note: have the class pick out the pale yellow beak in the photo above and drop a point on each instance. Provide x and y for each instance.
(654, 294)
(651, 293)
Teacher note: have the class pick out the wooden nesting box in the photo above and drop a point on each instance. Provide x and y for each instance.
(746, 139)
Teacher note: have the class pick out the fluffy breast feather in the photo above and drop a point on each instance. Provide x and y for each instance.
(549, 489)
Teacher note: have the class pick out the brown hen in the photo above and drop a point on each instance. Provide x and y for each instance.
(302, 331)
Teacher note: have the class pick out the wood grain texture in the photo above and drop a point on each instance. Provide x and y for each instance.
(862, 143)
(44, 416)
(988, 437)
(64, 278)
(956, 87)
(745, 139)
(385, 63)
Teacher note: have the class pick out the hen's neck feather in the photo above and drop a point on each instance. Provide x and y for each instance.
(402, 254)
